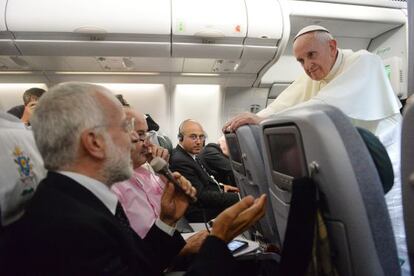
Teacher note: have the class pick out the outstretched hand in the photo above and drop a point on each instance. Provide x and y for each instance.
(238, 218)
(246, 118)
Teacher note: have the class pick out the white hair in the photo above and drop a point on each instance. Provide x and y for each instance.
(60, 117)
(323, 36)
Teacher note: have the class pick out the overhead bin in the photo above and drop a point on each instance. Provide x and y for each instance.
(233, 37)
(92, 27)
(208, 29)
(6, 43)
(345, 20)
(265, 29)
(396, 4)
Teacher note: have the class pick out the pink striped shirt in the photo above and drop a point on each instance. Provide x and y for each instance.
(140, 196)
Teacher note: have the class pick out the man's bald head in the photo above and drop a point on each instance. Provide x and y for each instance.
(192, 136)
(138, 116)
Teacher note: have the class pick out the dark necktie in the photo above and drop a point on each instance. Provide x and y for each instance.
(198, 161)
(122, 218)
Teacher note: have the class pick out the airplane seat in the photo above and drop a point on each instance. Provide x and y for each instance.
(407, 178)
(165, 142)
(21, 168)
(248, 167)
(160, 140)
(319, 142)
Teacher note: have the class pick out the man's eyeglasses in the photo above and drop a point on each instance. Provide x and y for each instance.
(194, 137)
(142, 136)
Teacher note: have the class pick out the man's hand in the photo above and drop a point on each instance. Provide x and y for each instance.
(194, 243)
(238, 218)
(31, 106)
(28, 111)
(174, 203)
(230, 189)
(242, 119)
(157, 151)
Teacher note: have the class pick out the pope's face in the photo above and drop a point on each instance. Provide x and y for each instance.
(316, 57)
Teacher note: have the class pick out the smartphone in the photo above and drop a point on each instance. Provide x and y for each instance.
(236, 245)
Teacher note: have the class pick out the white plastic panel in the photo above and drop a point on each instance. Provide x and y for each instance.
(378, 3)
(213, 18)
(392, 48)
(199, 102)
(263, 53)
(265, 29)
(213, 29)
(195, 50)
(93, 48)
(286, 69)
(242, 99)
(91, 16)
(346, 12)
(265, 19)
(2, 13)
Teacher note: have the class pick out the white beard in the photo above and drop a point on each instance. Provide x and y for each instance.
(118, 166)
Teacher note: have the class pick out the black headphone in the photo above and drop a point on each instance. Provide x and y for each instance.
(180, 137)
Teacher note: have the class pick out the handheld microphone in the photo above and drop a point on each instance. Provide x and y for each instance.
(160, 166)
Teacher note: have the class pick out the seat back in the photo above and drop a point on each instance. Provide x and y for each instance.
(160, 140)
(21, 168)
(407, 178)
(248, 167)
(319, 141)
(165, 142)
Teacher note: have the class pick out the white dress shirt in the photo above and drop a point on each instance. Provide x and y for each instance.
(108, 198)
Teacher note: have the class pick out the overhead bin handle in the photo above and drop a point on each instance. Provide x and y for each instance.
(211, 33)
(90, 30)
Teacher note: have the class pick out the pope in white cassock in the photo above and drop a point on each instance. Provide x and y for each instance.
(354, 82)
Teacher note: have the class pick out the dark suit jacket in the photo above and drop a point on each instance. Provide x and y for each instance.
(219, 165)
(67, 230)
(17, 111)
(209, 195)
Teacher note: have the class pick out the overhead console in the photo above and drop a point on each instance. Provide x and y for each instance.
(231, 29)
(236, 38)
(90, 28)
(6, 43)
(204, 29)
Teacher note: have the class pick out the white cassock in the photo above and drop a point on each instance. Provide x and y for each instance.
(357, 84)
(21, 167)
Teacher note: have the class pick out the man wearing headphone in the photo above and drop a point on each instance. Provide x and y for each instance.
(213, 197)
